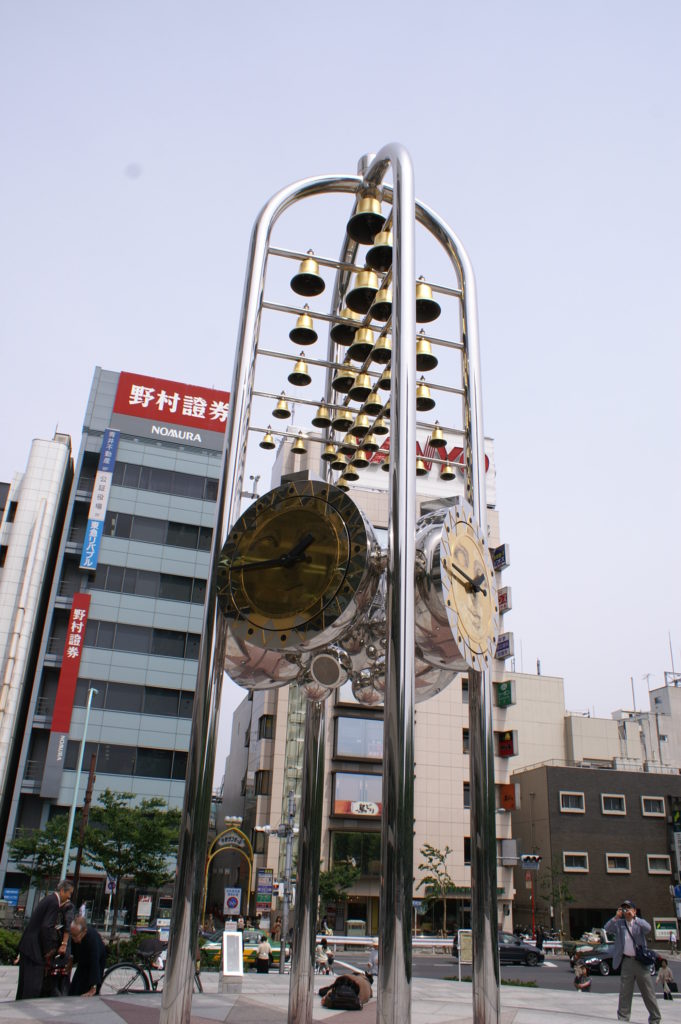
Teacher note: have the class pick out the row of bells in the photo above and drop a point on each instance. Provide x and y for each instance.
(356, 384)
(361, 341)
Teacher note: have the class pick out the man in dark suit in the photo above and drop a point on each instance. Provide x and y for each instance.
(89, 956)
(36, 940)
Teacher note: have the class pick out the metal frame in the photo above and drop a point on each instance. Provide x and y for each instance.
(394, 987)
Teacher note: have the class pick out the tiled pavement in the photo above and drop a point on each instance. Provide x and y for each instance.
(264, 1000)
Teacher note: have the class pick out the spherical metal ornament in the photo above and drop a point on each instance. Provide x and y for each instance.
(365, 693)
(314, 691)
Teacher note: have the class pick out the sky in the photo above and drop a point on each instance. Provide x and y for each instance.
(140, 139)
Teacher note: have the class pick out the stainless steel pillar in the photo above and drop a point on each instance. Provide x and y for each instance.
(301, 991)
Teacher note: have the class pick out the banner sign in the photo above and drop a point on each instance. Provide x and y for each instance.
(264, 886)
(505, 696)
(507, 798)
(505, 648)
(677, 850)
(504, 599)
(144, 907)
(11, 896)
(232, 901)
(506, 744)
(501, 557)
(359, 808)
(168, 401)
(100, 499)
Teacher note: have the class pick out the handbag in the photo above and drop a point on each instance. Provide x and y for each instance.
(643, 954)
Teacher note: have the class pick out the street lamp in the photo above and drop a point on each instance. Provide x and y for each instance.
(285, 830)
(74, 802)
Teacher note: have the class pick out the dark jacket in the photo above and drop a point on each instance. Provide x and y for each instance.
(89, 958)
(638, 928)
(38, 934)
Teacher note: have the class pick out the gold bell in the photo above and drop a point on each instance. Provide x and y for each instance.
(383, 350)
(421, 468)
(342, 483)
(366, 222)
(351, 473)
(380, 257)
(342, 420)
(329, 453)
(268, 441)
(343, 333)
(344, 379)
(381, 426)
(370, 444)
(348, 445)
(298, 446)
(384, 381)
(299, 375)
(425, 360)
(447, 472)
(361, 426)
(437, 438)
(423, 400)
(303, 333)
(360, 460)
(361, 389)
(382, 305)
(385, 466)
(427, 309)
(362, 345)
(339, 463)
(282, 410)
(308, 281)
(386, 410)
(373, 404)
(362, 295)
(322, 418)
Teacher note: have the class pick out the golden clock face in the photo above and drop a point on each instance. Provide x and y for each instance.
(292, 564)
(469, 587)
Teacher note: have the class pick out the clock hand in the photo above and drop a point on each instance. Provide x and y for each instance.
(281, 561)
(295, 552)
(473, 583)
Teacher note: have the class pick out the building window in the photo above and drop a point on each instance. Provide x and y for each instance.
(266, 727)
(259, 841)
(247, 737)
(613, 803)
(357, 794)
(618, 863)
(359, 849)
(143, 583)
(359, 737)
(466, 795)
(571, 803)
(3, 554)
(466, 850)
(113, 759)
(263, 783)
(466, 741)
(652, 806)
(11, 511)
(124, 526)
(464, 690)
(659, 864)
(121, 636)
(573, 861)
(164, 481)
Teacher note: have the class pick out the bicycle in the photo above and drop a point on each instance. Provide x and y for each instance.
(128, 976)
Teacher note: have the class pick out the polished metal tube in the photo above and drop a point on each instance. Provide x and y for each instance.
(397, 829)
(301, 990)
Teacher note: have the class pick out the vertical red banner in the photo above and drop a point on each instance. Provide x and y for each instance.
(68, 676)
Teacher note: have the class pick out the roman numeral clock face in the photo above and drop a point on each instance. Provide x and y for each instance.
(291, 565)
(469, 587)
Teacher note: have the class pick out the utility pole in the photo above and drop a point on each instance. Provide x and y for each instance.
(83, 825)
(288, 862)
(76, 784)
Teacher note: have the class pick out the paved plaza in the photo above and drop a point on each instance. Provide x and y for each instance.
(264, 1000)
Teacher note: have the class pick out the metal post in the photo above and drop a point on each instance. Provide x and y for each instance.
(287, 880)
(76, 785)
(301, 991)
(83, 825)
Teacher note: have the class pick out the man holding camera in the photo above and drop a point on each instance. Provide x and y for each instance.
(630, 934)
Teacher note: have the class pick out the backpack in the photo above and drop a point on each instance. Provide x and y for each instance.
(343, 995)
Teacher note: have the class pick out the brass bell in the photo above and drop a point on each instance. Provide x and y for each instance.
(282, 409)
(382, 306)
(342, 420)
(370, 444)
(383, 350)
(342, 483)
(427, 309)
(349, 445)
(421, 468)
(373, 405)
(339, 463)
(308, 281)
(437, 438)
(268, 442)
(425, 360)
(362, 295)
(361, 389)
(361, 426)
(303, 333)
(343, 333)
(299, 375)
(298, 446)
(384, 381)
(380, 257)
(385, 465)
(447, 472)
(362, 345)
(386, 410)
(381, 426)
(329, 453)
(351, 473)
(423, 400)
(360, 460)
(344, 379)
(366, 222)
(322, 418)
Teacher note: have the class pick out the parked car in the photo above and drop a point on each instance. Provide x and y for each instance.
(599, 960)
(513, 950)
(211, 947)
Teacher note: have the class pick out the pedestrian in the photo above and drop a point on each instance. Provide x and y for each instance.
(582, 981)
(59, 961)
(263, 956)
(321, 957)
(37, 940)
(539, 941)
(666, 979)
(276, 930)
(89, 956)
(672, 942)
(630, 932)
(372, 966)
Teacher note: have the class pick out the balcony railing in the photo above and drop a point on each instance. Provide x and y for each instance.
(33, 771)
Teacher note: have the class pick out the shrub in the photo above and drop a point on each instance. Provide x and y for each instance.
(9, 941)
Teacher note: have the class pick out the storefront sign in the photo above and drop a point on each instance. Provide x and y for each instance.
(360, 808)
(505, 695)
(507, 796)
(264, 886)
(100, 499)
(501, 557)
(167, 409)
(144, 907)
(504, 599)
(506, 744)
(505, 648)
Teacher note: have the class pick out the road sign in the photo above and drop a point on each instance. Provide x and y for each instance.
(110, 884)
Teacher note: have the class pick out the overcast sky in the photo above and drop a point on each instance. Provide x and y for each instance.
(140, 139)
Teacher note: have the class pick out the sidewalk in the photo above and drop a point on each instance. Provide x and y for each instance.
(264, 1000)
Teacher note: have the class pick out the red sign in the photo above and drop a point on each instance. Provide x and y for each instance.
(168, 401)
(68, 676)
(427, 454)
(359, 808)
(506, 745)
(507, 796)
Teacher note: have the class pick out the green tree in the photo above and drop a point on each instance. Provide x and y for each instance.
(131, 841)
(334, 883)
(40, 853)
(438, 881)
(554, 887)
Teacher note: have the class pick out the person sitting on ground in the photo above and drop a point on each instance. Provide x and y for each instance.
(582, 980)
(348, 992)
(89, 956)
